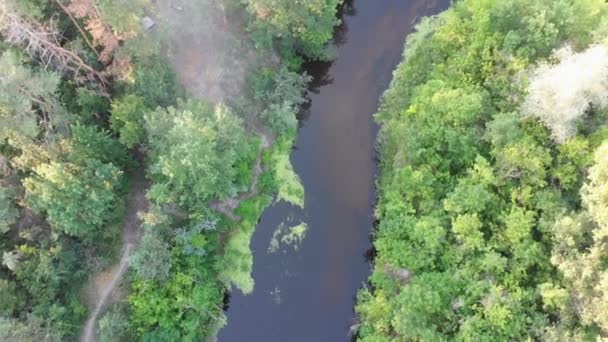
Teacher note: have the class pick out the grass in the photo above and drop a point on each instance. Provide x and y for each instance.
(244, 166)
(289, 186)
(237, 262)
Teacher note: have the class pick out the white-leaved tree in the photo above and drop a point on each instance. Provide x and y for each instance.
(560, 94)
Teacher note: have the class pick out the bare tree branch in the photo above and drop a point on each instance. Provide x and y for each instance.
(82, 33)
(42, 43)
(102, 34)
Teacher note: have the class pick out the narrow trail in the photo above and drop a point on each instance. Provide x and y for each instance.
(103, 284)
(227, 206)
(90, 327)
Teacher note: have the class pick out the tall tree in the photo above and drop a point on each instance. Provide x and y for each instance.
(560, 94)
(78, 200)
(580, 252)
(193, 148)
(309, 24)
(28, 101)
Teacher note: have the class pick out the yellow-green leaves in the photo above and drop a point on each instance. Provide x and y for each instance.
(290, 188)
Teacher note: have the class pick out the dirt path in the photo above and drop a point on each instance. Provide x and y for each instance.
(102, 287)
(228, 206)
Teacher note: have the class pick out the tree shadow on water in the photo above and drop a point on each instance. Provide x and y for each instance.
(320, 70)
(347, 9)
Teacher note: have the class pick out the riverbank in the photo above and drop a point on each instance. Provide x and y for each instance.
(207, 193)
(314, 280)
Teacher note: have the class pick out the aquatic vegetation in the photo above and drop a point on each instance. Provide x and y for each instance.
(237, 261)
(295, 235)
(289, 236)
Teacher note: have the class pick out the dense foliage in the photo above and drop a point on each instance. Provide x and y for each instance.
(62, 183)
(303, 26)
(194, 149)
(492, 208)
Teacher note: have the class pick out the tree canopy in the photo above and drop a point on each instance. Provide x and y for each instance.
(304, 25)
(482, 159)
(193, 150)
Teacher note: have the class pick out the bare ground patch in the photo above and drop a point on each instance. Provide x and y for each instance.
(207, 47)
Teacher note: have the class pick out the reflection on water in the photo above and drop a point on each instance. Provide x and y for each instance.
(307, 295)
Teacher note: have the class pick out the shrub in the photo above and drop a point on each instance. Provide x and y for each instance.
(128, 119)
(114, 325)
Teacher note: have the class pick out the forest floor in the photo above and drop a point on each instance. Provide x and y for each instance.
(207, 46)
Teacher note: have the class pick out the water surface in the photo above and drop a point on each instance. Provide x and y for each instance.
(308, 294)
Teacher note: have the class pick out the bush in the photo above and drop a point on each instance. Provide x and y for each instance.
(9, 301)
(307, 26)
(8, 212)
(152, 259)
(114, 325)
(155, 82)
(128, 119)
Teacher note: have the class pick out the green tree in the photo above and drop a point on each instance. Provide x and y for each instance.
(155, 82)
(114, 325)
(425, 309)
(193, 150)
(78, 200)
(28, 101)
(8, 212)
(281, 92)
(309, 25)
(88, 142)
(32, 330)
(184, 306)
(128, 119)
(581, 248)
(152, 260)
(468, 229)
(9, 300)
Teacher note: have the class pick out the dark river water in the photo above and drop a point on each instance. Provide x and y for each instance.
(308, 294)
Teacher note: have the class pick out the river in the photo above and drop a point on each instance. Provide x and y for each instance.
(308, 294)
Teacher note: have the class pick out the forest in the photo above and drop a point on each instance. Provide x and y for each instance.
(92, 112)
(493, 197)
(492, 208)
